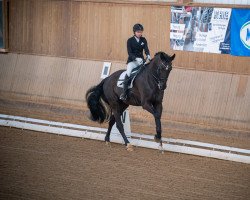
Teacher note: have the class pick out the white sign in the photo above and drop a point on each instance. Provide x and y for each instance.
(176, 36)
(177, 27)
(105, 69)
(219, 23)
(200, 41)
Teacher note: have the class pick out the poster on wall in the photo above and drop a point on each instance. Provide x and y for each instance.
(200, 29)
(240, 32)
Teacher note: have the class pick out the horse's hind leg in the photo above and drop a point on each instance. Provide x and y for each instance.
(111, 124)
(119, 126)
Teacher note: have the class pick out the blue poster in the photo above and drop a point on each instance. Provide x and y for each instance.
(240, 32)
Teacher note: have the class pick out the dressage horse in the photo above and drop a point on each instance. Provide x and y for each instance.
(148, 91)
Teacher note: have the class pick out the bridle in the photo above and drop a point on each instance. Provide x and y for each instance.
(157, 78)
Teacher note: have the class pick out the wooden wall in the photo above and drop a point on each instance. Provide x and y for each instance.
(204, 88)
(198, 97)
(98, 31)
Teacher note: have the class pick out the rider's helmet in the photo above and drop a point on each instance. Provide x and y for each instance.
(137, 27)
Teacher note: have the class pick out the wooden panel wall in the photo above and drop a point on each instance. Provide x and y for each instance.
(210, 98)
(98, 31)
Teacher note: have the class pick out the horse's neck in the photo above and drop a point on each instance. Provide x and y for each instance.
(150, 69)
(148, 74)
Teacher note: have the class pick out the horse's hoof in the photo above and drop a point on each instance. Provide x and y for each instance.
(158, 140)
(129, 147)
(161, 149)
(108, 144)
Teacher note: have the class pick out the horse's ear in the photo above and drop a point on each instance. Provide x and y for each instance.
(172, 57)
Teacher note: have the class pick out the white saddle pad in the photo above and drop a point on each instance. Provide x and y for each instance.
(122, 77)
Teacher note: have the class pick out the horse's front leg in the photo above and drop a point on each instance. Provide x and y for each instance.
(156, 111)
(157, 116)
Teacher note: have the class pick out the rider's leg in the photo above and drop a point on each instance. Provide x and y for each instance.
(130, 67)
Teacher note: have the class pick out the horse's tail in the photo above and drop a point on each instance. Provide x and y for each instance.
(99, 109)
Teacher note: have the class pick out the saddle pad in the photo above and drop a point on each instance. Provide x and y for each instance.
(132, 76)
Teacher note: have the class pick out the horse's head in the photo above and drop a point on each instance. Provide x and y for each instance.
(162, 67)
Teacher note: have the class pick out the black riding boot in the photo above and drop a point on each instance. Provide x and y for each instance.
(124, 95)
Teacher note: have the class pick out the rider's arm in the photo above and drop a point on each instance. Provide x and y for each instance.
(146, 48)
(130, 53)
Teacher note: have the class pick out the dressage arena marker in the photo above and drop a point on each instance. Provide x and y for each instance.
(139, 140)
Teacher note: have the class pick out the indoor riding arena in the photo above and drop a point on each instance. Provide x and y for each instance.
(52, 53)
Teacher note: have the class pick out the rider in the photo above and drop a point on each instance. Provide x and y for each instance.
(135, 46)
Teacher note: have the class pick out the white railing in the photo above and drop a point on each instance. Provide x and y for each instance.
(140, 140)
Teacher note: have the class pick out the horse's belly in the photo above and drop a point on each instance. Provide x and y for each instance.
(134, 100)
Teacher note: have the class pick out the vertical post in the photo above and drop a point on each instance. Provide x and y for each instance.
(5, 23)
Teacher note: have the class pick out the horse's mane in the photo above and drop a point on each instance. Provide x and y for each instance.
(163, 55)
(158, 53)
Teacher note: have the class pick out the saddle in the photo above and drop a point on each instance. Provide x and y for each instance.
(132, 77)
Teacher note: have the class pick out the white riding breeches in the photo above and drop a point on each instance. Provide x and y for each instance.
(131, 66)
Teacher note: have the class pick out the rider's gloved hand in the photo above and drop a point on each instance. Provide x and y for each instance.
(148, 57)
(139, 61)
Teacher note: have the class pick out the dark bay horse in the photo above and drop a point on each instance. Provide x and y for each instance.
(148, 90)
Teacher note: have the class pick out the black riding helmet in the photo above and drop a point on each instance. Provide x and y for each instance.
(137, 27)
